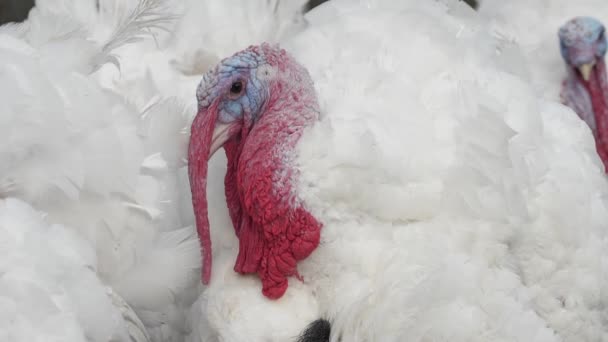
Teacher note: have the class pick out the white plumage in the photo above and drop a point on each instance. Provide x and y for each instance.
(456, 204)
(91, 161)
(101, 153)
(49, 287)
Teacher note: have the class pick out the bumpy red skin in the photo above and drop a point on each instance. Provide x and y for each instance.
(274, 229)
(590, 102)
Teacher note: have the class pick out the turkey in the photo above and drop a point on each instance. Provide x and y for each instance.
(585, 89)
(452, 203)
(388, 172)
(99, 150)
(555, 50)
(517, 22)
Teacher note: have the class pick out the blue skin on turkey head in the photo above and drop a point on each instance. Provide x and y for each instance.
(582, 45)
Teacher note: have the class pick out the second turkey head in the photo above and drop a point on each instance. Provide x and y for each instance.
(583, 47)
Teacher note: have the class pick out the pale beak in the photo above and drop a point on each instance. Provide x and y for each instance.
(221, 133)
(585, 70)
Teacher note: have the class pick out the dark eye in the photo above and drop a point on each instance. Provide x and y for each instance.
(236, 88)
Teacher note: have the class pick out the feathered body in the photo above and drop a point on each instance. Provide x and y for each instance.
(49, 287)
(455, 204)
(451, 198)
(94, 164)
(95, 139)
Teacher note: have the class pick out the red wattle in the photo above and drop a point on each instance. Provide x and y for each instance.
(233, 201)
(274, 230)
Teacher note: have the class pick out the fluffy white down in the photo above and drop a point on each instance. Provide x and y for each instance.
(457, 205)
(533, 25)
(49, 290)
(204, 32)
(102, 151)
(95, 163)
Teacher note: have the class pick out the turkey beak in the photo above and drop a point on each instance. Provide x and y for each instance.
(586, 69)
(221, 133)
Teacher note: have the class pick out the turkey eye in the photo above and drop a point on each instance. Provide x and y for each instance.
(236, 88)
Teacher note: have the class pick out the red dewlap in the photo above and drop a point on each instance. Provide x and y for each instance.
(275, 231)
(274, 234)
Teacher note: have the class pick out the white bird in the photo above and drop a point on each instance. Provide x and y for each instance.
(456, 205)
(564, 65)
(101, 152)
(533, 27)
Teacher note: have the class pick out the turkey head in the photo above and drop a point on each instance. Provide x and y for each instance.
(256, 104)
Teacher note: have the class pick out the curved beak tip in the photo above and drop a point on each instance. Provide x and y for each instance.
(221, 134)
(586, 69)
